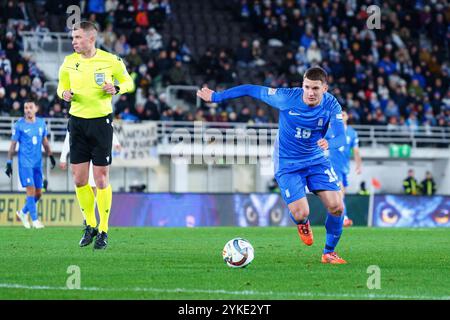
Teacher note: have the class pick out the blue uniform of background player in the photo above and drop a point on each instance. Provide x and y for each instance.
(305, 115)
(340, 159)
(31, 133)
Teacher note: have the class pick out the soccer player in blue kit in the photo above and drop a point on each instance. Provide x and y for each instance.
(299, 152)
(31, 133)
(340, 159)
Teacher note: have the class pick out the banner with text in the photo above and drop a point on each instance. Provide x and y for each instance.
(53, 209)
(138, 144)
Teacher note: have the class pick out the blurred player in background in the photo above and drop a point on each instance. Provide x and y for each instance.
(63, 163)
(31, 133)
(87, 79)
(300, 161)
(340, 159)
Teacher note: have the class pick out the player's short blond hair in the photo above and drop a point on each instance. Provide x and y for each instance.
(85, 26)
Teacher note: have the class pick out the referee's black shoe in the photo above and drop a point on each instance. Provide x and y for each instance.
(88, 236)
(101, 240)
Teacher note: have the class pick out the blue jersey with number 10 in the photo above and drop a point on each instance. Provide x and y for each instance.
(29, 135)
(300, 126)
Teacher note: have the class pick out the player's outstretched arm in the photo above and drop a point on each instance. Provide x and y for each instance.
(278, 98)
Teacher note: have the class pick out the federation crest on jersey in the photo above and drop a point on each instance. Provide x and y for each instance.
(99, 78)
(320, 123)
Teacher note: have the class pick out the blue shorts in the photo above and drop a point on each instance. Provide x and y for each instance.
(317, 177)
(31, 177)
(342, 177)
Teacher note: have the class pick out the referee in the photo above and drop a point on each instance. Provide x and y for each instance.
(87, 79)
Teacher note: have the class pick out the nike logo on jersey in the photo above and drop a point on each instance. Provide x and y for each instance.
(292, 113)
(103, 68)
(27, 130)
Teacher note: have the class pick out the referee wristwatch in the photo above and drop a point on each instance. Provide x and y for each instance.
(117, 89)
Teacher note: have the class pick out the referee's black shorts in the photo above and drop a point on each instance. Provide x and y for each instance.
(91, 139)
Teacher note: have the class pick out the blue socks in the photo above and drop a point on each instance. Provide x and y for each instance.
(31, 207)
(25, 208)
(333, 225)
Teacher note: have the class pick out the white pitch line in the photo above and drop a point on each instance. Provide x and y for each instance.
(225, 292)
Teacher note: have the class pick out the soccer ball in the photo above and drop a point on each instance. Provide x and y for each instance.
(238, 253)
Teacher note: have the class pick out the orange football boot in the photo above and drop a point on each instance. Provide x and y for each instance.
(306, 234)
(332, 258)
(348, 222)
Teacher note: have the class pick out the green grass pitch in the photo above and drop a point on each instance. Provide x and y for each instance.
(186, 263)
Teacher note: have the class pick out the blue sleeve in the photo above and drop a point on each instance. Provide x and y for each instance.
(45, 133)
(337, 125)
(280, 98)
(16, 132)
(355, 142)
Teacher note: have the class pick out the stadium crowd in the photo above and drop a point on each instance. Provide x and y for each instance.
(396, 76)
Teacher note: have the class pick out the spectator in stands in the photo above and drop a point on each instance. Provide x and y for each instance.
(392, 124)
(244, 56)
(152, 106)
(257, 53)
(428, 186)
(23, 95)
(16, 110)
(226, 75)
(11, 99)
(121, 46)
(121, 105)
(261, 116)
(244, 115)
(410, 184)
(111, 5)
(154, 40)
(5, 63)
(44, 105)
(108, 37)
(179, 114)
(133, 59)
(313, 54)
(141, 112)
(126, 115)
(412, 122)
(137, 39)
(4, 110)
(163, 63)
(56, 111)
(167, 115)
(178, 74)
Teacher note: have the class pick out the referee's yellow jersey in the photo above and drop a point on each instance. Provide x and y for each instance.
(86, 77)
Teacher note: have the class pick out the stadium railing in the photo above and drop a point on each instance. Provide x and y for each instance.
(371, 136)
